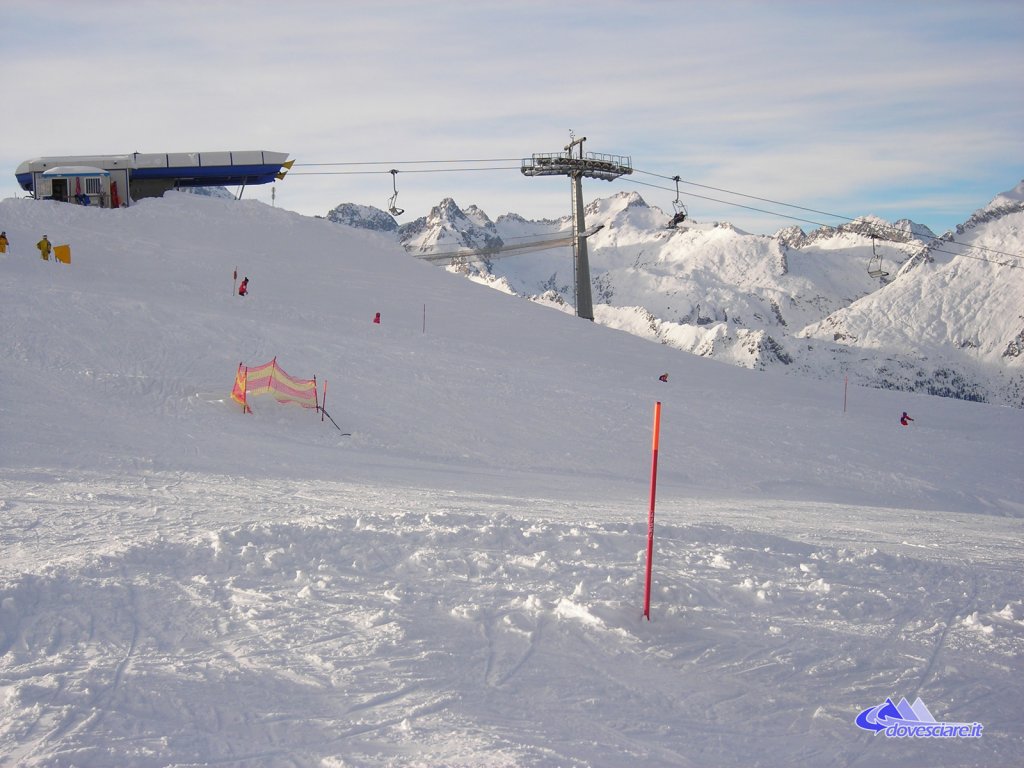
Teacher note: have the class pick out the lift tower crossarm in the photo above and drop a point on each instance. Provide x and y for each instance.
(592, 166)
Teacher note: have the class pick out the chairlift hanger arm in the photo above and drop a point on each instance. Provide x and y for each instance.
(392, 208)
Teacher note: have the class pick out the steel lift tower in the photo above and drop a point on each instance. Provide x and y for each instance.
(592, 166)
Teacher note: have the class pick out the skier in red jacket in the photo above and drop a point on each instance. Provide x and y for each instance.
(244, 287)
(905, 420)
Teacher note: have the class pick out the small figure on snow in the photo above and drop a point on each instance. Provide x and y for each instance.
(44, 248)
(4, 242)
(905, 419)
(244, 287)
(376, 318)
(663, 377)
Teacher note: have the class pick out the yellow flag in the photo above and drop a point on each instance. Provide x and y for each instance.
(285, 167)
(62, 253)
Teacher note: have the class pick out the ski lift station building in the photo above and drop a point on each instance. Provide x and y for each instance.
(113, 181)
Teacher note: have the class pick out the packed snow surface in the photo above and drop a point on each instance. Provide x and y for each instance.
(459, 579)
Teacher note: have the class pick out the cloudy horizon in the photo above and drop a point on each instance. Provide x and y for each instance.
(901, 110)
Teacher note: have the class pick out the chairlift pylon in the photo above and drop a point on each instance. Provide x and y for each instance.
(875, 262)
(677, 205)
(392, 209)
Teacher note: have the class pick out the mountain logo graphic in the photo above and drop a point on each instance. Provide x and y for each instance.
(905, 720)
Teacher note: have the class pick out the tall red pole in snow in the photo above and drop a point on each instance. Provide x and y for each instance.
(650, 514)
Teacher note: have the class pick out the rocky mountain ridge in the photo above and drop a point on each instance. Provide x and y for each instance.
(946, 319)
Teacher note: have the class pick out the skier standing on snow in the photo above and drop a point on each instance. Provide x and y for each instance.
(244, 287)
(905, 420)
(44, 248)
(4, 242)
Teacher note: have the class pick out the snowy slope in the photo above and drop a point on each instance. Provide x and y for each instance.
(459, 581)
(803, 303)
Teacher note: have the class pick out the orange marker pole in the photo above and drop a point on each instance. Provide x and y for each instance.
(650, 514)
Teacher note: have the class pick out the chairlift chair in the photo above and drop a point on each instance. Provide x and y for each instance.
(392, 209)
(875, 262)
(679, 218)
(677, 205)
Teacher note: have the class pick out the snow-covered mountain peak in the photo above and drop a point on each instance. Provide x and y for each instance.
(448, 227)
(1015, 195)
(801, 302)
(363, 217)
(1003, 204)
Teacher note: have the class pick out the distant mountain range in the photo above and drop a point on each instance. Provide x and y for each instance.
(947, 319)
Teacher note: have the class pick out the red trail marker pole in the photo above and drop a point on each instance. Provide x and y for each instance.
(650, 514)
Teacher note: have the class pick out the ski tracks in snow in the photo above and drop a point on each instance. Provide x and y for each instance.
(185, 618)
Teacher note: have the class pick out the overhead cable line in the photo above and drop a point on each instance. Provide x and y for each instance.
(403, 170)
(931, 247)
(675, 179)
(418, 162)
(797, 207)
(498, 252)
(736, 205)
(740, 194)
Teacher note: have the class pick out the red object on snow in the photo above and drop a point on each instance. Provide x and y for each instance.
(376, 318)
(244, 287)
(905, 420)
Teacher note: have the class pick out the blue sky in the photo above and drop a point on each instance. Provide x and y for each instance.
(899, 109)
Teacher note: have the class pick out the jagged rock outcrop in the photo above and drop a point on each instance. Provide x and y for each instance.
(363, 217)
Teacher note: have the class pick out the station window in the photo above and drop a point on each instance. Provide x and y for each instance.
(92, 186)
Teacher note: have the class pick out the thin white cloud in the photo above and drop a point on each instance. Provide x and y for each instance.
(798, 101)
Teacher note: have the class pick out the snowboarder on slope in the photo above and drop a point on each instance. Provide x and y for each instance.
(244, 287)
(905, 420)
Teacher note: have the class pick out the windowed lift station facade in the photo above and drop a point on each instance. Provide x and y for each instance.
(115, 181)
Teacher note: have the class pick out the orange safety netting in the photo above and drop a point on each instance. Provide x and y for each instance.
(270, 378)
